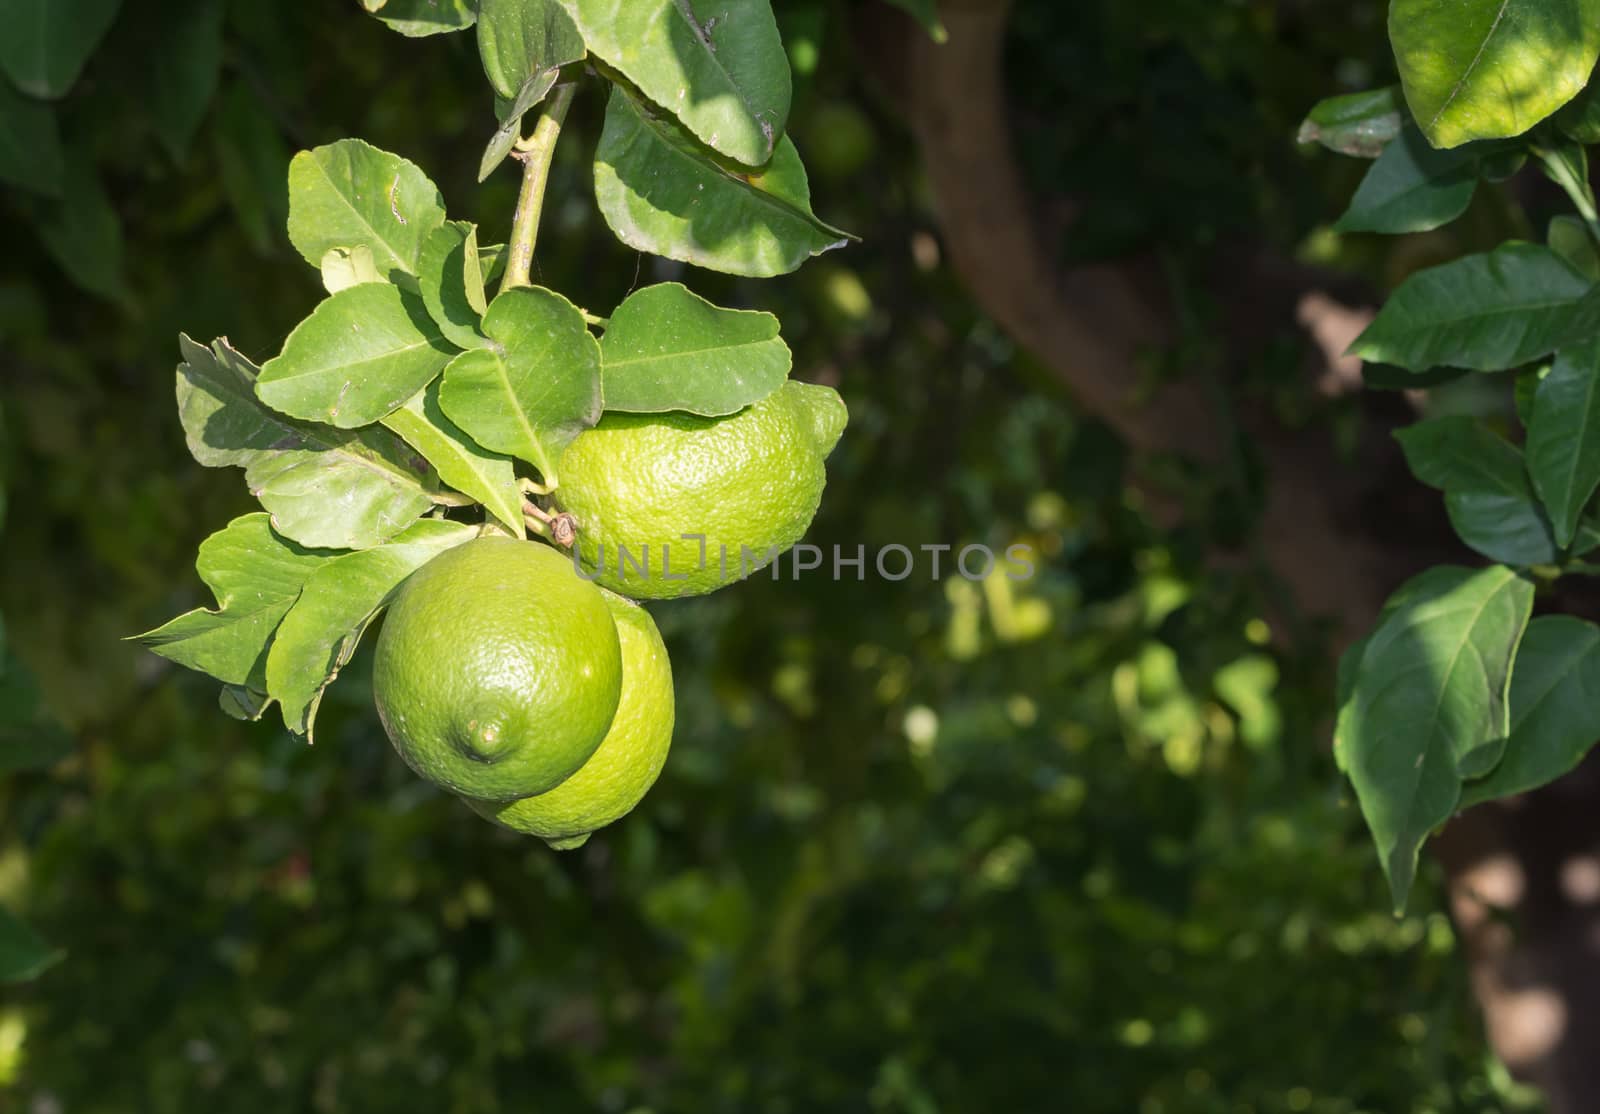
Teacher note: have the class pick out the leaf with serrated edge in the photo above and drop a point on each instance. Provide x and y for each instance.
(325, 488)
(451, 279)
(720, 68)
(662, 193)
(255, 575)
(1489, 312)
(361, 353)
(351, 193)
(667, 348)
(1564, 436)
(1429, 705)
(338, 600)
(1489, 69)
(537, 389)
(1555, 689)
(488, 477)
(343, 268)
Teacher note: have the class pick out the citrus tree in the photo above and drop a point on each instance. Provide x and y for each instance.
(1458, 696)
(411, 413)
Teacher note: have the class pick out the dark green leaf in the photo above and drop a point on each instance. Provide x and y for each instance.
(250, 158)
(451, 278)
(23, 954)
(416, 18)
(1412, 187)
(83, 233)
(321, 631)
(667, 348)
(1360, 124)
(243, 703)
(30, 144)
(350, 193)
(1488, 312)
(1429, 706)
(719, 68)
(519, 40)
(1524, 390)
(255, 575)
(661, 192)
(1579, 119)
(29, 740)
(461, 462)
(1564, 436)
(1504, 528)
(537, 389)
(1555, 689)
(46, 42)
(1502, 164)
(1383, 377)
(1488, 69)
(360, 354)
(183, 61)
(1571, 239)
(326, 488)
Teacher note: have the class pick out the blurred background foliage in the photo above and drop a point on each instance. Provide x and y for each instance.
(926, 846)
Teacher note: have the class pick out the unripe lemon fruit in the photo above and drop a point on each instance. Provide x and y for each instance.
(617, 776)
(749, 483)
(498, 670)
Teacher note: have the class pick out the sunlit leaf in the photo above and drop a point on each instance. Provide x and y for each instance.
(350, 193)
(461, 462)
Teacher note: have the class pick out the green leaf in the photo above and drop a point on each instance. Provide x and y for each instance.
(83, 233)
(321, 631)
(23, 954)
(182, 64)
(1579, 119)
(1564, 436)
(1360, 124)
(343, 268)
(1489, 69)
(1570, 238)
(925, 12)
(537, 389)
(46, 42)
(662, 193)
(1430, 707)
(1525, 389)
(416, 18)
(717, 65)
(510, 114)
(1412, 187)
(667, 348)
(250, 156)
(350, 193)
(361, 353)
(30, 144)
(451, 278)
(242, 702)
(29, 740)
(1489, 312)
(255, 575)
(461, 462)
(1487, 494)
(1555, 688)
(519, 40)
(325, 487)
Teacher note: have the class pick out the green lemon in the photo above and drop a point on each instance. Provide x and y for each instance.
(748, 483)
(498, 670)
(629, 760)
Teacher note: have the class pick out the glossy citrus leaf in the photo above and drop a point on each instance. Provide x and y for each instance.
(461, 462)
(663, 193)
(1429, 707)
(346, 267)
(1360, 124)
(536, 389)
(361, 353)
(1564, 436)
(1412, 187)
(510, 114)
(350, 194)
(1488, 69)
(324, 487)
(520, 39)
(339, 599)
(667, 348)
(1555, 688)
(417, 18)
(451, 280)
(1489, 312)
(717, 65)
(255, 574)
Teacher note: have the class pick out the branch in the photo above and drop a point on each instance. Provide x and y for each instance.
(535, 153)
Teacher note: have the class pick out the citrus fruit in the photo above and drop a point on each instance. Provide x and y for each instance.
(618, 775)
(749, 483)
(498, 669)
